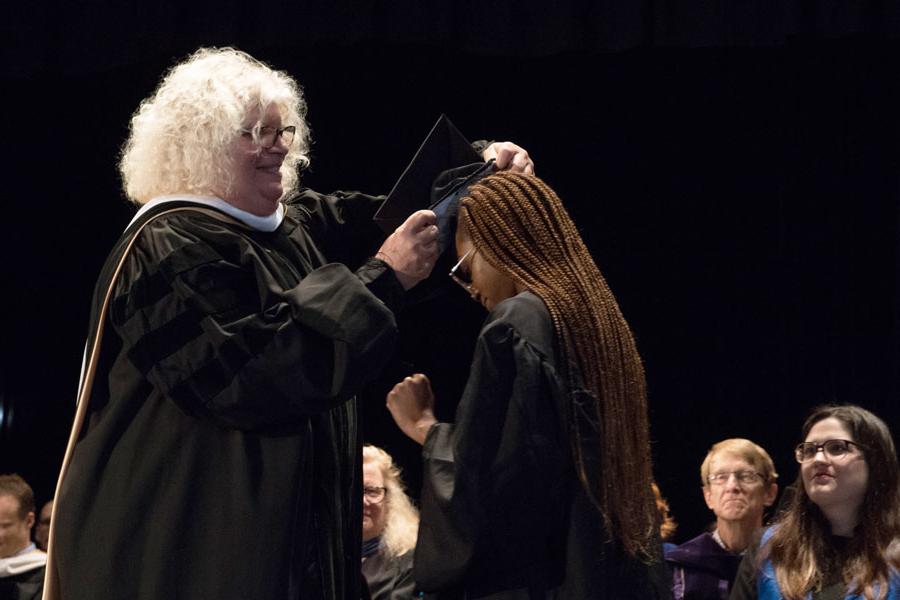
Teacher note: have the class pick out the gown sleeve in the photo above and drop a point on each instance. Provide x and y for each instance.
(341, 223)
(502, 449)
(234, 333)
(455, 459)
(404, 587)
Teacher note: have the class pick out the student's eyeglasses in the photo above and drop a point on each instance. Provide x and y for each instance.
(806, 451)
(267, 137)
(462, 279)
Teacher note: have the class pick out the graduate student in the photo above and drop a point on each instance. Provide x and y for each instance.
(542, 486)
(216, 450)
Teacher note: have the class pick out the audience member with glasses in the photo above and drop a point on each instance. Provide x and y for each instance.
(215, 453)
(839, 536)
(542, 486)
(738, 480)
(390, 523)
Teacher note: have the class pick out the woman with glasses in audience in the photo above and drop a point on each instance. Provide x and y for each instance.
(839, 537)
(542, 487)
(390, 523)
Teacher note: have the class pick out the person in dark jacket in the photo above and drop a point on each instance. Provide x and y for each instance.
(42, 526)
(738, 482)
(21, 562)
(667, 523)
(542, 486)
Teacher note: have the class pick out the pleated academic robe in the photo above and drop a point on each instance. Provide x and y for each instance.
(220, 457)
(502, 513)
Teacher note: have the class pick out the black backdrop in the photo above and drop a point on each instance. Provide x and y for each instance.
(732, 166)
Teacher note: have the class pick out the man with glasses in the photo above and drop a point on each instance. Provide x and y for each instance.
(738, 479)
(42, 526)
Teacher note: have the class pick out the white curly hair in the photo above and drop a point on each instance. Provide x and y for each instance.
(402, 523)
(181, 135)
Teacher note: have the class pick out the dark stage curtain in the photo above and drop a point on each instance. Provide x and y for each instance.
(733, 167)
(71, 37)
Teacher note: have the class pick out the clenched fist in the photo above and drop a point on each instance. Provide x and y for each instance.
(411, 403)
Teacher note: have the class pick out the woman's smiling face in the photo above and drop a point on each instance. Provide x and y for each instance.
(257, 171)
(835, 481)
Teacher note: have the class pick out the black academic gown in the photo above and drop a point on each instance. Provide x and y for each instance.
(220, 457)
(502, 513)
(24, 586)
(389, 577)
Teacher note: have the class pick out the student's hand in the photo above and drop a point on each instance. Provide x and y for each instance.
(411, 403)
(510, 157)
(412, 249)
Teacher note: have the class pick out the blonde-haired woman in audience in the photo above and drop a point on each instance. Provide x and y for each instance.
(390, 524)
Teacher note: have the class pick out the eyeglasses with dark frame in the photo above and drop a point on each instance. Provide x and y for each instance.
(745, 477)
(374, 494)
(267, 136)
(806, 451)
(456, 276)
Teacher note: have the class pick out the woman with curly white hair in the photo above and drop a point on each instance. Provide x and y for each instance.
(389, 528)
(215, 451)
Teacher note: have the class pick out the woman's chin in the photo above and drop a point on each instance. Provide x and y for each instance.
(274, 193)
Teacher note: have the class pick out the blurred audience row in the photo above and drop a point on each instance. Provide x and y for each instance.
(833, 534)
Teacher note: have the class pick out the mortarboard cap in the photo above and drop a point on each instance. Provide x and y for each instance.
(436, 178)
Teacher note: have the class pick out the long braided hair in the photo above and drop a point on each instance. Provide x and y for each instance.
(522, 229)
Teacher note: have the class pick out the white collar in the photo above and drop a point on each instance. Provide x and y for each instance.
(268, 223)
(27, 559)
(718, 540)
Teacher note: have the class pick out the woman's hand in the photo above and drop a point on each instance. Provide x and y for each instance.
(510, 157)
(411, 403)
(412, 249)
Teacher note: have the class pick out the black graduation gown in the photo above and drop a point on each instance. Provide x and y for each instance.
(24, 586)
(389, 577)
(220, 456)
(502, 513)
